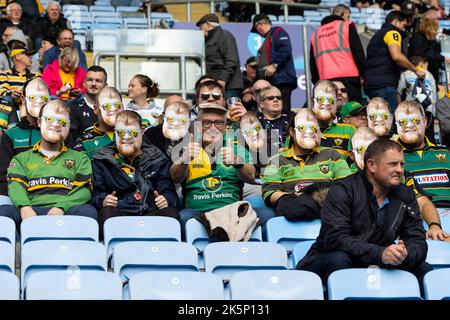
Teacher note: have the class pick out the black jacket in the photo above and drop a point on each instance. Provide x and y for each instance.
(222, 58)
(349, 224)
(152, 174)
(44, 27)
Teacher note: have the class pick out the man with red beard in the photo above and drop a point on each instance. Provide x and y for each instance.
(334, 135)
(108, 103)
(132, 179)
(302, 165)
(50, 179)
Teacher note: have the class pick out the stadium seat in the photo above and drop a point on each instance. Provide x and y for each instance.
(101, 6)
(227, 258)
(180, 285)
(7, 256)
(300, 250)
(74, 8)
(134, 22)
(436, 285)
(373, 284)
(256, 202)
(438, 255)
(122, 229)
(7, 230)
(61, 255)
(127, 9)
(276, 285)
(103, 14)
(133, 257)
(9, 288)
(196, 235)
(58, 227)
(74, 285)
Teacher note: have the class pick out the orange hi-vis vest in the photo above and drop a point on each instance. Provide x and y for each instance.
(331, 47)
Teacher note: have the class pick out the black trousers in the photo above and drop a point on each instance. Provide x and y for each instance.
(108, 212)
(323, 264)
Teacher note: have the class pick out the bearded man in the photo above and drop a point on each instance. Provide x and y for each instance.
(50, 179)
(132, 179)
(303, 164)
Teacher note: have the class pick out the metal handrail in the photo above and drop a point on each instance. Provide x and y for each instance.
(183, 57)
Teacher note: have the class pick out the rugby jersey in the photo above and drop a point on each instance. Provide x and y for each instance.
(338, 136)
(13, 80)
(94, 140)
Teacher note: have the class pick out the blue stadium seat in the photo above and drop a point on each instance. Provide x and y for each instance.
(300, 250)
(103, 14)
(74, 284)
(7, 230)
(74, 8)
(436, 284)
(256, 202)
(179, 285)
(196, 235)
(438, 255)
(373, 284)
(133, 257)
(7, 256)
(134, 22)
(227, 258)
(127, 9)
(276, 285)
(149, 228)
(58, 227)
(61, 255)
(101, 7)
(9, 288)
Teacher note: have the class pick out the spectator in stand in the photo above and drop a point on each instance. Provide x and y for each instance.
(379, 117)
(337, 54)
(342, 97)
(108, 103)
(354, 113)
(131, 178)
(222, 58)
(50, 179)
(51, 23)
(64, 39)
(275, 62)
(385, 59)
(25, 134)
(14, 17)
(423, 43)
(256, 89)
(32, 9)
(46, 44)
(142, 90)
(82, 116)
(342, 11)
(249, 77)
(5, 58)
(64, 77)
(437, 7)
(303, 164)
(362, 3)
(443, 115)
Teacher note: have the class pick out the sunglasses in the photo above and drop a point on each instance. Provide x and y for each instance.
(34, 97)
(218, 123)
(252, 131)
(271, 98)
(404, 122)
(52, 119)
(215, 96)
(304, 127)
(343, 90)
(360, 149)
(376, 115)
(108, 106)
(172, 119)
(132, 132)
(330, 100)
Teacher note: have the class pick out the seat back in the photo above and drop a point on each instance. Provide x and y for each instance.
(436, 284)
(74, 284)
(373, 283)
(300, 250)
(7, 256)
(276, 285)
(438, 255)
(180, 285)
(57, 228)
(7, 230)
(9, 288)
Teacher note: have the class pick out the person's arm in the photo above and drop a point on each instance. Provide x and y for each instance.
(99, 190)
(313, 66)
(401, 87)
(393, 40)
(18, 181)
(357, 49)
(229, 55)
(164, 184)
(430, 214)
(4, 84)
(340, 167)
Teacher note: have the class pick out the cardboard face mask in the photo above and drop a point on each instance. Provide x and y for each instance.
(175, 125)
(128, 139)
(307, 133)
(359, 149)
(380, 121)
(54, 126)
(36, 96)
(411, 127)
(109, 108)
(254, 135)
(325, 105)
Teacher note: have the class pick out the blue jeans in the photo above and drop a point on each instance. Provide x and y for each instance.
(388, 93)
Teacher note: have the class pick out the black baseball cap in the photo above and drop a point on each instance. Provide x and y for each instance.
(207, 18)
(251, 61)
(258, 17)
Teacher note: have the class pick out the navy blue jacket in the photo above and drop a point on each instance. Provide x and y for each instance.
(152, 174)
(281, 54)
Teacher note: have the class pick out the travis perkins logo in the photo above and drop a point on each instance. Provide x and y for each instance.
(47, 181)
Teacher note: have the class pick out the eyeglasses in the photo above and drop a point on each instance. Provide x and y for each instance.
(172, 119)
(271, 98)
(132, 132)
(376, 115)
(218, 123)
(32, 98)
(404, 122)
(108, 106)
(252, 131)
(323, 99)
(52, 119)
(343, 90)
(360, 149)
(304, 127)
(206, 96)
